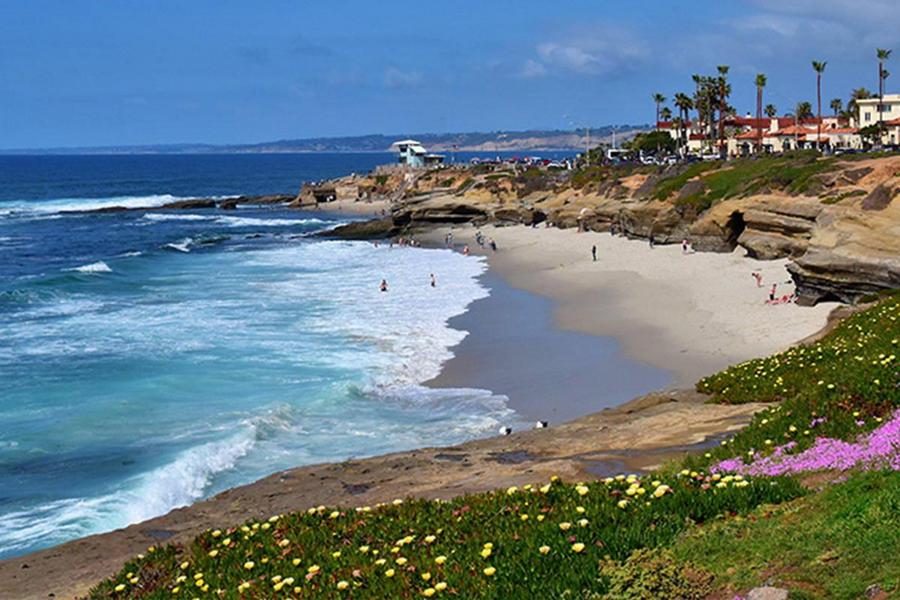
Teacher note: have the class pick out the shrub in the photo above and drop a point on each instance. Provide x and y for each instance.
(649, 574)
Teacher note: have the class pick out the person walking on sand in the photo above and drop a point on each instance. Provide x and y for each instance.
(684, 246)
(652, 241)
(773, 291)
(493, 245)
(383, 286)
(758, 277)
(594, 252)
(433, 281)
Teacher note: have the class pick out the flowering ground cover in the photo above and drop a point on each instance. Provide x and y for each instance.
(838, 402)
(543, 540)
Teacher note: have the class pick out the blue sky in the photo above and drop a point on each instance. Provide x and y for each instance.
(89, 73)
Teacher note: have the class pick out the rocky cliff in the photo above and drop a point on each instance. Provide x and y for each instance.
(838, 221)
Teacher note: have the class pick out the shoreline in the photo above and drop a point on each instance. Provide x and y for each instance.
(640, 434)
(691, 314)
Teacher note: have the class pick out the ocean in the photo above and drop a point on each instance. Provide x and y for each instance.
(150, 359)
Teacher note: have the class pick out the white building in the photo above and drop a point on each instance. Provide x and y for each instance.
(413, 154)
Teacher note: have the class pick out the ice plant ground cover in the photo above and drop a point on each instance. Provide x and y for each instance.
(543, 539)
(838, 400)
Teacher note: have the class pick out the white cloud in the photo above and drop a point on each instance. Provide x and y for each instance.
(395, 78)
(596, 51)
(533, 68)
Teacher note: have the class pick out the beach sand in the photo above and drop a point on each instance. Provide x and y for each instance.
(692, 314)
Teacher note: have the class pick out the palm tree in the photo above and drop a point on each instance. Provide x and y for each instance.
(760, 84)
(836, 105)
(723, 92)
(658, 99)
(665, 114)
(770, 111)
(684, 105)
(882, 55)
(819, 68)
(803, 111)
(852, 108)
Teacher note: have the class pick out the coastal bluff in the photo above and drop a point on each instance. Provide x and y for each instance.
(836, 219)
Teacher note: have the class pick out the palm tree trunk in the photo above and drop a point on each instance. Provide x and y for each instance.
(819, 102)
(758, 119)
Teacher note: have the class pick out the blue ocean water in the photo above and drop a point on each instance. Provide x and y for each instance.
(151, 358)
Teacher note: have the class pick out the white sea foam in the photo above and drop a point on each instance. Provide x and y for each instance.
(182, 246)
(94, 267)
(42, 208)
(232, 221)
(131, 254)
(176, 217)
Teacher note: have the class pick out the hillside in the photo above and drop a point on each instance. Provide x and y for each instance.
(495, 141)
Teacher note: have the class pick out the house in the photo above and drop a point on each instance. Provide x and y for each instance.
(868, 113)
(412, 154)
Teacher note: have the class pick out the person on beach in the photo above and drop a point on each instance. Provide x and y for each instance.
(652, 241)
(466, 250)
(772, 292)
(684, 246)
(433, 281)
(493, 245)
(758, 277)
(383, 286)
(594, 252)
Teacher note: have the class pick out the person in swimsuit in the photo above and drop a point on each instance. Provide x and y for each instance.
(433, 281)
(383, 286)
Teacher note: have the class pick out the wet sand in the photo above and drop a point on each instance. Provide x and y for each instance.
(548, 374)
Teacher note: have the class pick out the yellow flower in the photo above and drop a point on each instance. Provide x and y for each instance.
(334, 514)
(426, 576)
(277, 587)
(401, 561)
(565, 525)
(397, 502)
(284, 543)
(544, 549)
(177, 589)
(582, 490)
(213, 553)
(120, 587)
(313, 569)
(583, 523)
(540, 517)
(622, 503)
(295, 562)
(185, 565)
(342, 585)
(249, 565)
(226, 541)
(389, 573)
(488, 545)
(485, 553)
(440, 586)
(554, 478)
(545, 488)
(429, 539)
(380, 561)
(364, 549)
(579, 509)
(216, 533)
(523, 517)
(511, 490)
(336, 554)
(660, 491)
(440, 560)
(489, 571)
(429, 592)
(577, 547)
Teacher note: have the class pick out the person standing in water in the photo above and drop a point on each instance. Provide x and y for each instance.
(383, 286)
(433, 281)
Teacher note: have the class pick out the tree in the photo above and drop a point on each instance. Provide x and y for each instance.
(658, 99)
(684, 104)
(836, 105)
(871, 134)
(651, 142)
(819, 68)
(760, 84)
(770, 111)
(852, 108)
(724, 90)
(882, 55)
(665, 114)
(803, 111)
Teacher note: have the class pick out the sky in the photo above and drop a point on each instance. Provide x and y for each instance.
(125, 72)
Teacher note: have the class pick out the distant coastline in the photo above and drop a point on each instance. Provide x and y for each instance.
(537, 140)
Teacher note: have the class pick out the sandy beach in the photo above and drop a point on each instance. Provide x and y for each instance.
(692, 314)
